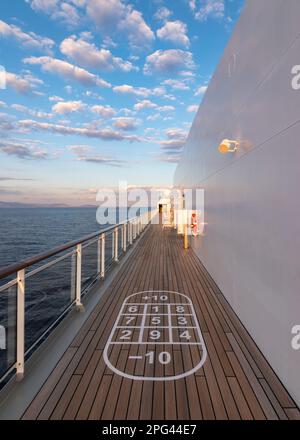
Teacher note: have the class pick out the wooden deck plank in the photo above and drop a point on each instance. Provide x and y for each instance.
(82, 387)
(236, 381)
(35, 406)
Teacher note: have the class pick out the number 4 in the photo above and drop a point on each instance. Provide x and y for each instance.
(185, 335)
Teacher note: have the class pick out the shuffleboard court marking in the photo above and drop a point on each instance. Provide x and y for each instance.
(150, 311)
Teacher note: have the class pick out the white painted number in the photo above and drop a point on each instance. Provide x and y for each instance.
(162, 298)
(153, 323)
(154, 335)
(164, 357)
(185, 335)
(126, 334)
(150, 355)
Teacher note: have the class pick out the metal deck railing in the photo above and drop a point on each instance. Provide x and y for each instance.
(36, 294)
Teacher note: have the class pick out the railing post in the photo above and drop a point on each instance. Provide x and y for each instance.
(130, 233)
(99, 255)
(20, 325)
(102, 255)
(79, 304)
(116, 257)
(124, 237)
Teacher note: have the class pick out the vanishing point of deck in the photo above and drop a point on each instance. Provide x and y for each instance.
(235, 381)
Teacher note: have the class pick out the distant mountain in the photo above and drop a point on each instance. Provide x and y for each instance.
(31, 205)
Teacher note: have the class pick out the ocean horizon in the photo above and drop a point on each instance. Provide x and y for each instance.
(25, 232)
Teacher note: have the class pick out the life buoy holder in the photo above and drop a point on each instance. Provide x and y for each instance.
(194, 225)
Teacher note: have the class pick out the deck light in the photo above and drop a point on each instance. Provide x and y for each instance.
(228, 146)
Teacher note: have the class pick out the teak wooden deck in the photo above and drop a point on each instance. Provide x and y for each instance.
(235, 382)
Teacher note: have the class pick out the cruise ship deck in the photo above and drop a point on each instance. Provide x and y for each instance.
(234, 380)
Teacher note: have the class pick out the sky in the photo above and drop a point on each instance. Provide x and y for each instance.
(93, 92)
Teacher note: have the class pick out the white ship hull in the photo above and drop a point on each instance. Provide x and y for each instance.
(252, 239)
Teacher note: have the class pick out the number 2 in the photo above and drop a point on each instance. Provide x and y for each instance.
(126, 334)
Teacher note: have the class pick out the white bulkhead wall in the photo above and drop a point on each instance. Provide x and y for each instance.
(252, 204)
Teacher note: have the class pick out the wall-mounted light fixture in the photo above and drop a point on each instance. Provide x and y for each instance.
(228, 146)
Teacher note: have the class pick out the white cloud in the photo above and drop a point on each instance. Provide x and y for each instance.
(55, 99)
(115, 15)
(59, 10)
(67, 71)
(176, 133)
(67, 107)
(192, 4)
(188, 74)
(127, 111)
(193, 108)
(108, 42)
(106, 134)
(175, 32)
(19, 83)
(88, 55)
(106, 14)
(145, 104)
(173, 144)
(47, 6)
(163, 13)
(82, 153)
(206, 9)
(166, 108)
(28, 40)
(169, 61)
(28, 111)
(126, 124)
(79, 149)
(141, 92)
(101, 160)
(159, 91)
(137, 91)
(176, 84)
(7, 122)
(171, 157)
(139, 33)
(104, 111)
(154, 117)
(201, 90)
(22, 151)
